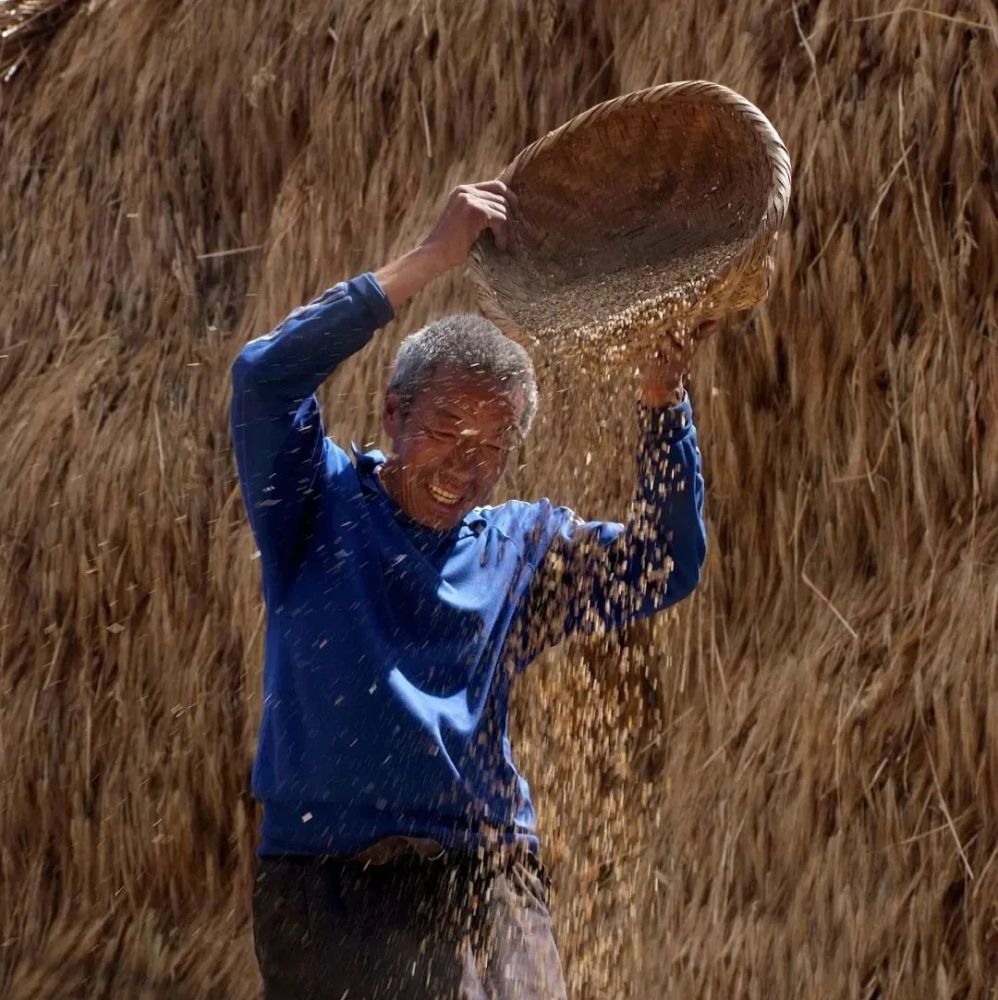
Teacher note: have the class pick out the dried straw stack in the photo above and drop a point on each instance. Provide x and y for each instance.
(790, 788)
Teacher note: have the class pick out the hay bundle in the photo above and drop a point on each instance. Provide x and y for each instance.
(788, 788)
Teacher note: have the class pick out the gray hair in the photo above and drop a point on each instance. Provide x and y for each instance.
(468, 343)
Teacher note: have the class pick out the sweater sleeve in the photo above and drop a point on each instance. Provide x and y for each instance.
(596, 576)
(281, 450)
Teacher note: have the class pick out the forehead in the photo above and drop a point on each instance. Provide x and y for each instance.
(458, 394)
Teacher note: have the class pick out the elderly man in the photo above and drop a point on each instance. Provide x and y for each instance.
(398, 854)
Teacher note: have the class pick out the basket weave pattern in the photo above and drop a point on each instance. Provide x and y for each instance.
(656, 208)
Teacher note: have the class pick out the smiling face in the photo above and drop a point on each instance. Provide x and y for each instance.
(450, 445)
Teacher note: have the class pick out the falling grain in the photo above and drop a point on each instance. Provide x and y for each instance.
(740, 799)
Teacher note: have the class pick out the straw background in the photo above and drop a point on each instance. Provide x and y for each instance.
(786, 788)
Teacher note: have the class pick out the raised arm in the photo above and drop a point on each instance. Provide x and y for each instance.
(598, 575)
(595, 576)
(282, 453)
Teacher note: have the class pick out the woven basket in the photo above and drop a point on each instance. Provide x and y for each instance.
(655, 209)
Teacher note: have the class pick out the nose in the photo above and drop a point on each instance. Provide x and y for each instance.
(465, 460)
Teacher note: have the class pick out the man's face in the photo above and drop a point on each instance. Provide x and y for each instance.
(450, 446)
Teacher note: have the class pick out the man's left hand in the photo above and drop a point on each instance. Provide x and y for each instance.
(663, 372)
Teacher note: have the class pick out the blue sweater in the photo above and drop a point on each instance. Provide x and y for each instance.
(390, 647)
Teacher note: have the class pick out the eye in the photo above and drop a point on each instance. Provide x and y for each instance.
(502, 446)
(441, 434)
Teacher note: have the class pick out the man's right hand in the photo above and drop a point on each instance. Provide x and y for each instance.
(470, 209)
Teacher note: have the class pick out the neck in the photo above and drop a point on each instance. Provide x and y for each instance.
(389, 475)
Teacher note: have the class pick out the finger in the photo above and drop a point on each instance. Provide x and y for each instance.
(494, 187)
(666, 350)
(491, 209)
(501, 234)
(674, 346)
(500, 189)
(488, 205)
(497, 202)
(497, 196)
(497, 223)
(493, 201)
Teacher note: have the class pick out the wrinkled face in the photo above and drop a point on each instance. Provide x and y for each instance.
(450, 446)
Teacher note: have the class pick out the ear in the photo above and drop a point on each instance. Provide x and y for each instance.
(391, 415)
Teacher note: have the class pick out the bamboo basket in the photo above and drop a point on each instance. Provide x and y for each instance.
(657, 208)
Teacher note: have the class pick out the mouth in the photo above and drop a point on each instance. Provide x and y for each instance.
(442, 496)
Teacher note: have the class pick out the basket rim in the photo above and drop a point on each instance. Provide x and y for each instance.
(704, 92)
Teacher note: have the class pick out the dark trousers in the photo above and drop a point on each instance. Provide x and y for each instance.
(408, 929)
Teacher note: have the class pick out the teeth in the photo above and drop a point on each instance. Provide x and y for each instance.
(443, 496)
